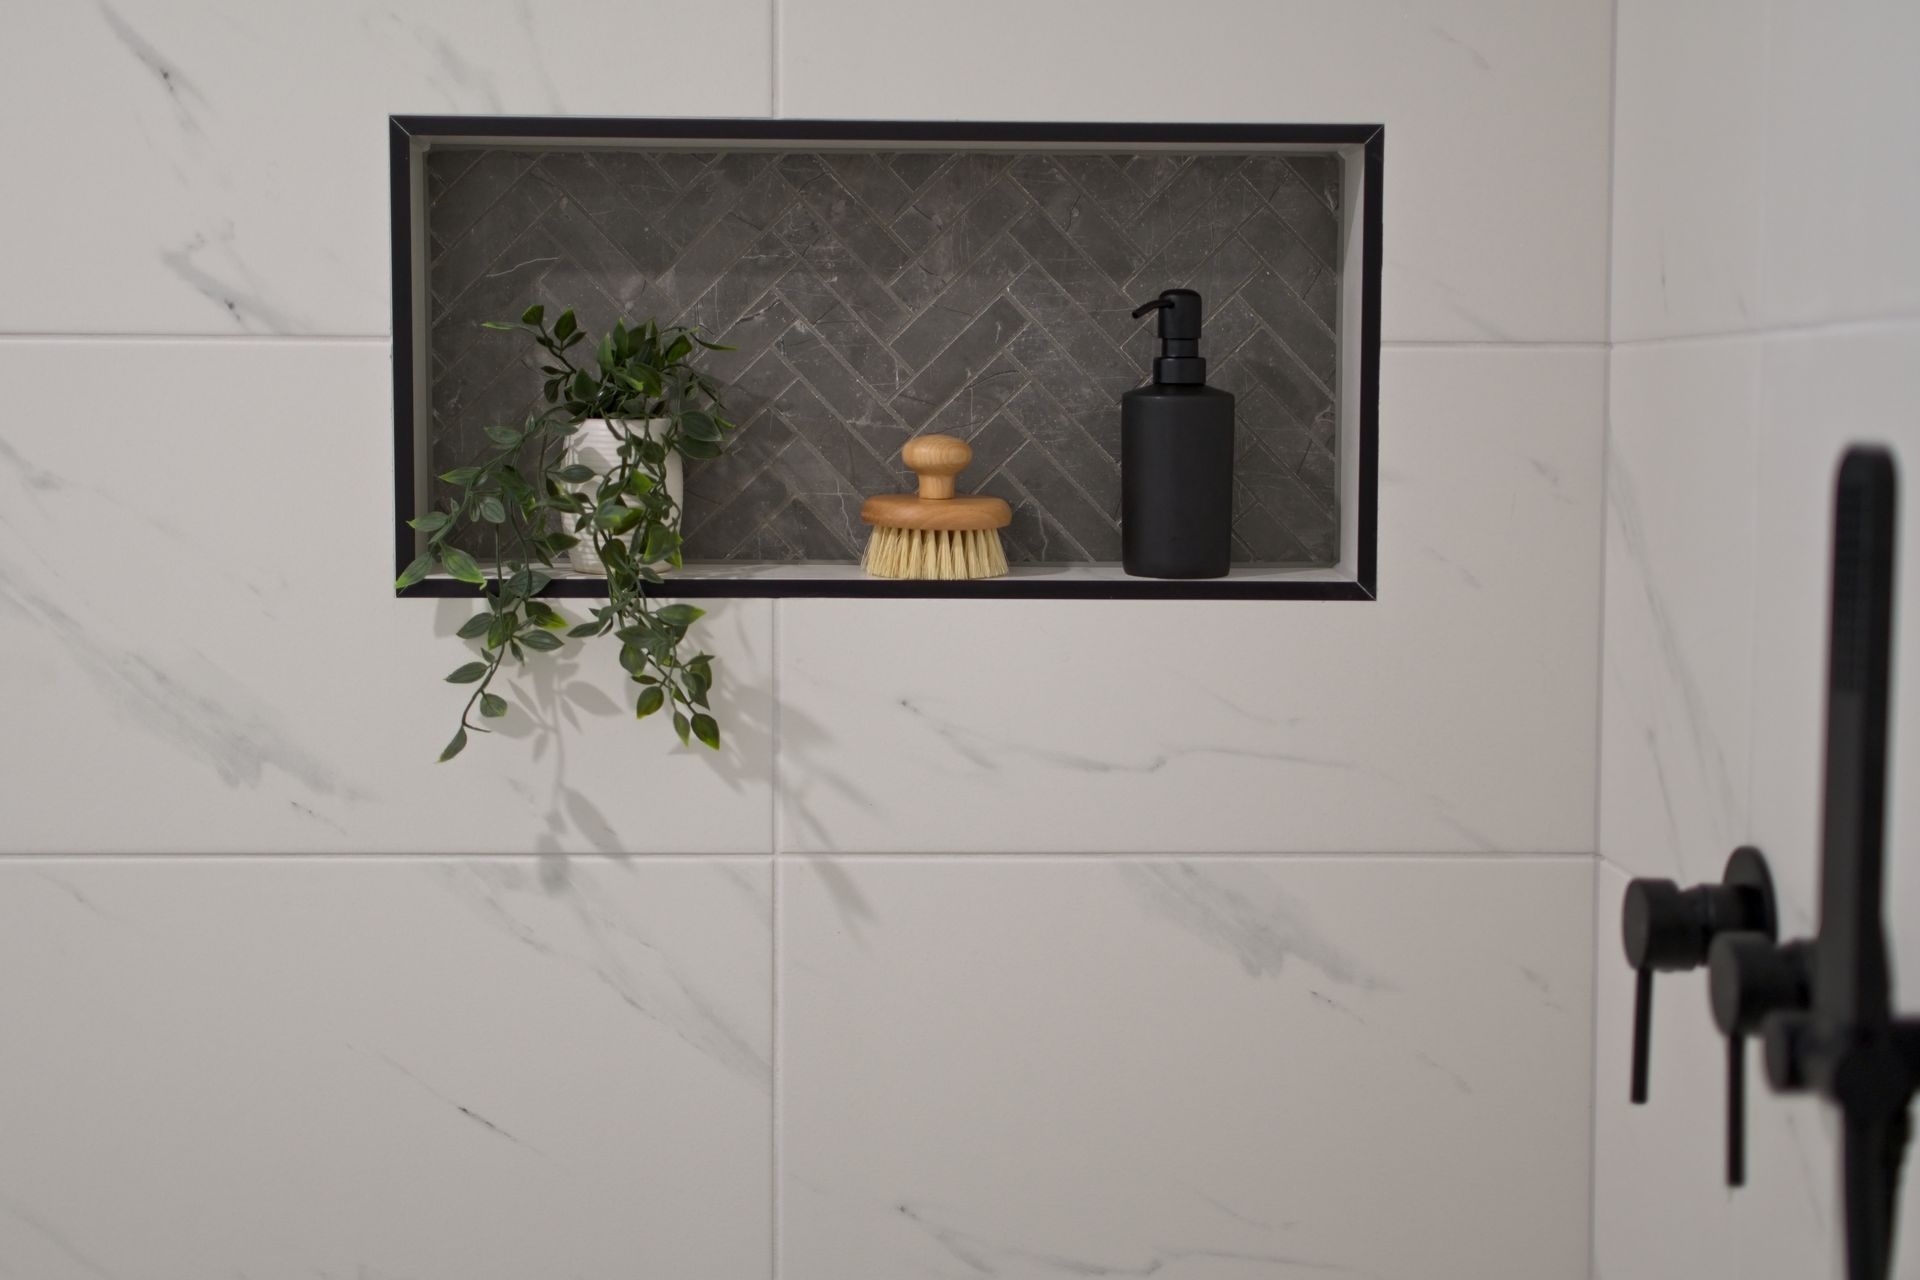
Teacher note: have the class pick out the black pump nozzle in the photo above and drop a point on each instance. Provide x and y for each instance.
(1179, 361)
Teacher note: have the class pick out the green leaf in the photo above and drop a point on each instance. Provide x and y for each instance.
(468, 673)
(678, 351)
(614, 556)
(582, 388)
(432, 522)
(699, 426)
(506, 437)
(621, 520)
(455, 747)
(475, 627)
(586, 629)
(497, 324)
(680, 615)
(707, 730)
(493, 511)
(461, 476)
(563, 327)
(492, 704)
(680, 726)
(420, 568)
(499, 629)
(662, 542)
(528, 582)
(633, 659)
(604, 354)
(543, 641)
(692, 448)
(461, 566)
(650, 701)
(533, 315)
(542, 614)
(711, 346)
(576, 473)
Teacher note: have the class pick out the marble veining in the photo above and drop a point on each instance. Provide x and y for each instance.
(399, 1068)
(1180, 1111)
(1238, 910)
(1683, 711)
(602, 942)
(186, 702)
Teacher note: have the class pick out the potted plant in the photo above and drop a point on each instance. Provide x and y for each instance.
(540, 493)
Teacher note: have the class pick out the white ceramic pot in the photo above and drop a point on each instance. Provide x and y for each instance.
(597, 445)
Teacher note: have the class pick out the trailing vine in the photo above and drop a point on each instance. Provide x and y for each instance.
(522, 497)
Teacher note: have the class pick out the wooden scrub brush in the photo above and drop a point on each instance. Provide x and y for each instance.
(935, 534)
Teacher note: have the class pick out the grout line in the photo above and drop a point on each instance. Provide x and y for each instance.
(1897, 320)
(774, 49)
(1190, 855)
(357, 339)
(1757, 439)
(1593, 1046)
(775, 1147)
(1819, 328)
(629, 857)
(1600, 664)
(773, 732)
(635, 859)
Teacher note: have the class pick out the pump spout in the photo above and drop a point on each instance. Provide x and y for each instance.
(1179, 362)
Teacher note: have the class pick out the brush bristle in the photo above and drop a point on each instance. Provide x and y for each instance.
(942, 554)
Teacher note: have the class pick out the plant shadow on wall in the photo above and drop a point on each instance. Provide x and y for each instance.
(537, 494)
(555, 700)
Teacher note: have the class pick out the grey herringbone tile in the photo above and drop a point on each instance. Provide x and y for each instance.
(871, 296)
(1279, 184)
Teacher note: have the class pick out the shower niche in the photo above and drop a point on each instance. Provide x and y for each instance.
(880, 280)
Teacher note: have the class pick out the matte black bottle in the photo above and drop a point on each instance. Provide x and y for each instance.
(1176, 456)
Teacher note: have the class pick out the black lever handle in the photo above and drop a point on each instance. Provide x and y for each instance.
(1750, 979)
(1642, 1032)
(1667, 929)
(1736, 1111)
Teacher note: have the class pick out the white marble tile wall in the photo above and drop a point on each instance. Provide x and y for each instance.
(1766, 310)
(1195, 1069)
(388, 1065)
(384, 1068)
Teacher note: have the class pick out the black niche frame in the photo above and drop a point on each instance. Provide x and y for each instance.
(408, 136)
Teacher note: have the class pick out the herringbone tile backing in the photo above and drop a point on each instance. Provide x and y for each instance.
(873, 296)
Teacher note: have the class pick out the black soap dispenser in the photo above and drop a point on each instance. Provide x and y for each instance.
(1176, 456)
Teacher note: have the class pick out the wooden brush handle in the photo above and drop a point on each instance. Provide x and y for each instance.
(936, 459)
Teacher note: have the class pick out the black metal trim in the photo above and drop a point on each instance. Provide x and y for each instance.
(753, 129)
(400, 179)
(1367, 523)
(407, 133)
(983, 589)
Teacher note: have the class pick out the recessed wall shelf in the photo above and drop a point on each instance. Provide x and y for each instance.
(880, 279)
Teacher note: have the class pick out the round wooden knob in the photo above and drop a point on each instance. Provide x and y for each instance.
(936, 459)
